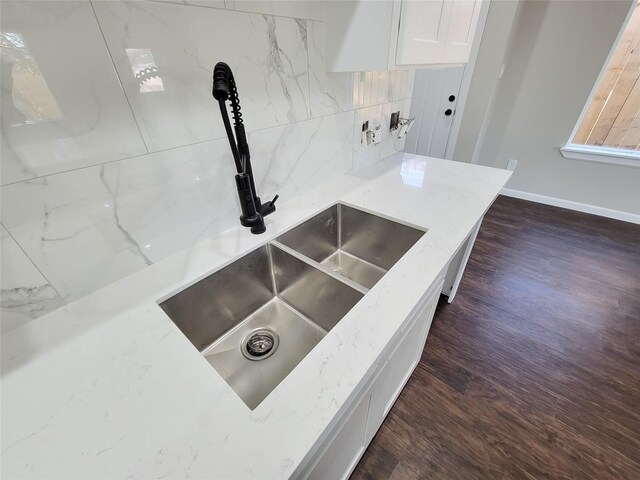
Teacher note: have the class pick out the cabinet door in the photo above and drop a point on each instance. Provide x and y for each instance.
(405, 358)
(378, 403)
(401, 364)
(346, 447)
(460, 32)
(422, 32)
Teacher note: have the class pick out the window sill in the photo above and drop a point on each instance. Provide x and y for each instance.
(612, 156)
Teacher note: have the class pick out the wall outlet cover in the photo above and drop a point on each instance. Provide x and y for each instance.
(374, 135)
(512, 165)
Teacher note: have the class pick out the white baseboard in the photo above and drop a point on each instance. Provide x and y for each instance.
(577, 206)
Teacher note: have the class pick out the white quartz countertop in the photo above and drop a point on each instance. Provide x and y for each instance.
(108, 386)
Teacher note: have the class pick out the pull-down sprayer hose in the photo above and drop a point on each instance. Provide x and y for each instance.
(224, 88)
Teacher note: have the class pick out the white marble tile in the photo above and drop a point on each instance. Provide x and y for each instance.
(371, 88)
(381, 88)
(329, 92)
(90, 227)
(368, 89)
(181, 45)
(309, 9)
(358, 89)
(292, 159)
(407, 84)
(400, 84)
(62, 104)
(26, 294)
(393, 90)
(200, 3)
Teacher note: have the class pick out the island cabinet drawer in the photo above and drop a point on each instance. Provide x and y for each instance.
(401, 364)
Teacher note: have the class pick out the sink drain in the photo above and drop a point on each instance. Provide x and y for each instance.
(259, 344)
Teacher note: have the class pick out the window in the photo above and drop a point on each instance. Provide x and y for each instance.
(609, 128)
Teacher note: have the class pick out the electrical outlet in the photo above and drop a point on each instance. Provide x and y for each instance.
(371, 135)
(512, 165)
(374, 135)
(395, 120)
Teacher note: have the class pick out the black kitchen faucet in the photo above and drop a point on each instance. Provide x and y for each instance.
(253, 211)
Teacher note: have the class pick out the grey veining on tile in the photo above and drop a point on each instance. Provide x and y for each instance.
(308, 9)
(87, 228)
(295, 158)
(329, 92)
(201, 3)
(115, 219)
(26, 294)
(62, 104)
(173, 102)
(114, 193)
(119, 209)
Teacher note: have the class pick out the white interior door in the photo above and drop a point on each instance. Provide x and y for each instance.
(435, 95)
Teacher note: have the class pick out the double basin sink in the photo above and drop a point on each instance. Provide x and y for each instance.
(257, 318)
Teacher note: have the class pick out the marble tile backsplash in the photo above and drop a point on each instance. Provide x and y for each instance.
(113, 153)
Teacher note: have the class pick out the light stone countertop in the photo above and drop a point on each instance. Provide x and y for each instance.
(108, 386)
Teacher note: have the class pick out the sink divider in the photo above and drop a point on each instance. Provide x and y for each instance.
(319, 266)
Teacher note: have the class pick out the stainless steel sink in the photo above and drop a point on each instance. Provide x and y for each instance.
(257, 318)
(355, 244)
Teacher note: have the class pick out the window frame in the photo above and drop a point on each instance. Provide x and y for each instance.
(610, 155)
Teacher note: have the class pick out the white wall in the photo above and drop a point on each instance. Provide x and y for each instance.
(557, 52)
(494, 44)
(104, 173)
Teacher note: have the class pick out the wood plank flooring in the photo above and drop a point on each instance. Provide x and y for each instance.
(534, 371)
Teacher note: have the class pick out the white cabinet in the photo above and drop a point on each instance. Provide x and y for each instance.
(401, 363)
(339, 455)
(461, 30)
(345, 449)
(388, 34)
(436, 31)
(423, 33)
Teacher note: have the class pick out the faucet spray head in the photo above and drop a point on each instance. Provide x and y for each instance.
(221, 75)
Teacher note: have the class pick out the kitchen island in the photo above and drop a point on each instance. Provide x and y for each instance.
(108, 386)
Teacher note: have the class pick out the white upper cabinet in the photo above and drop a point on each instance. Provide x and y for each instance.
(422, 33)
(461, 29)
(388, 34)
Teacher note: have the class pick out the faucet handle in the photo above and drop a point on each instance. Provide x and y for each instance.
(268, 208)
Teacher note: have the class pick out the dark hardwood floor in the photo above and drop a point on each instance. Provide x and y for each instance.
(534, 370)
